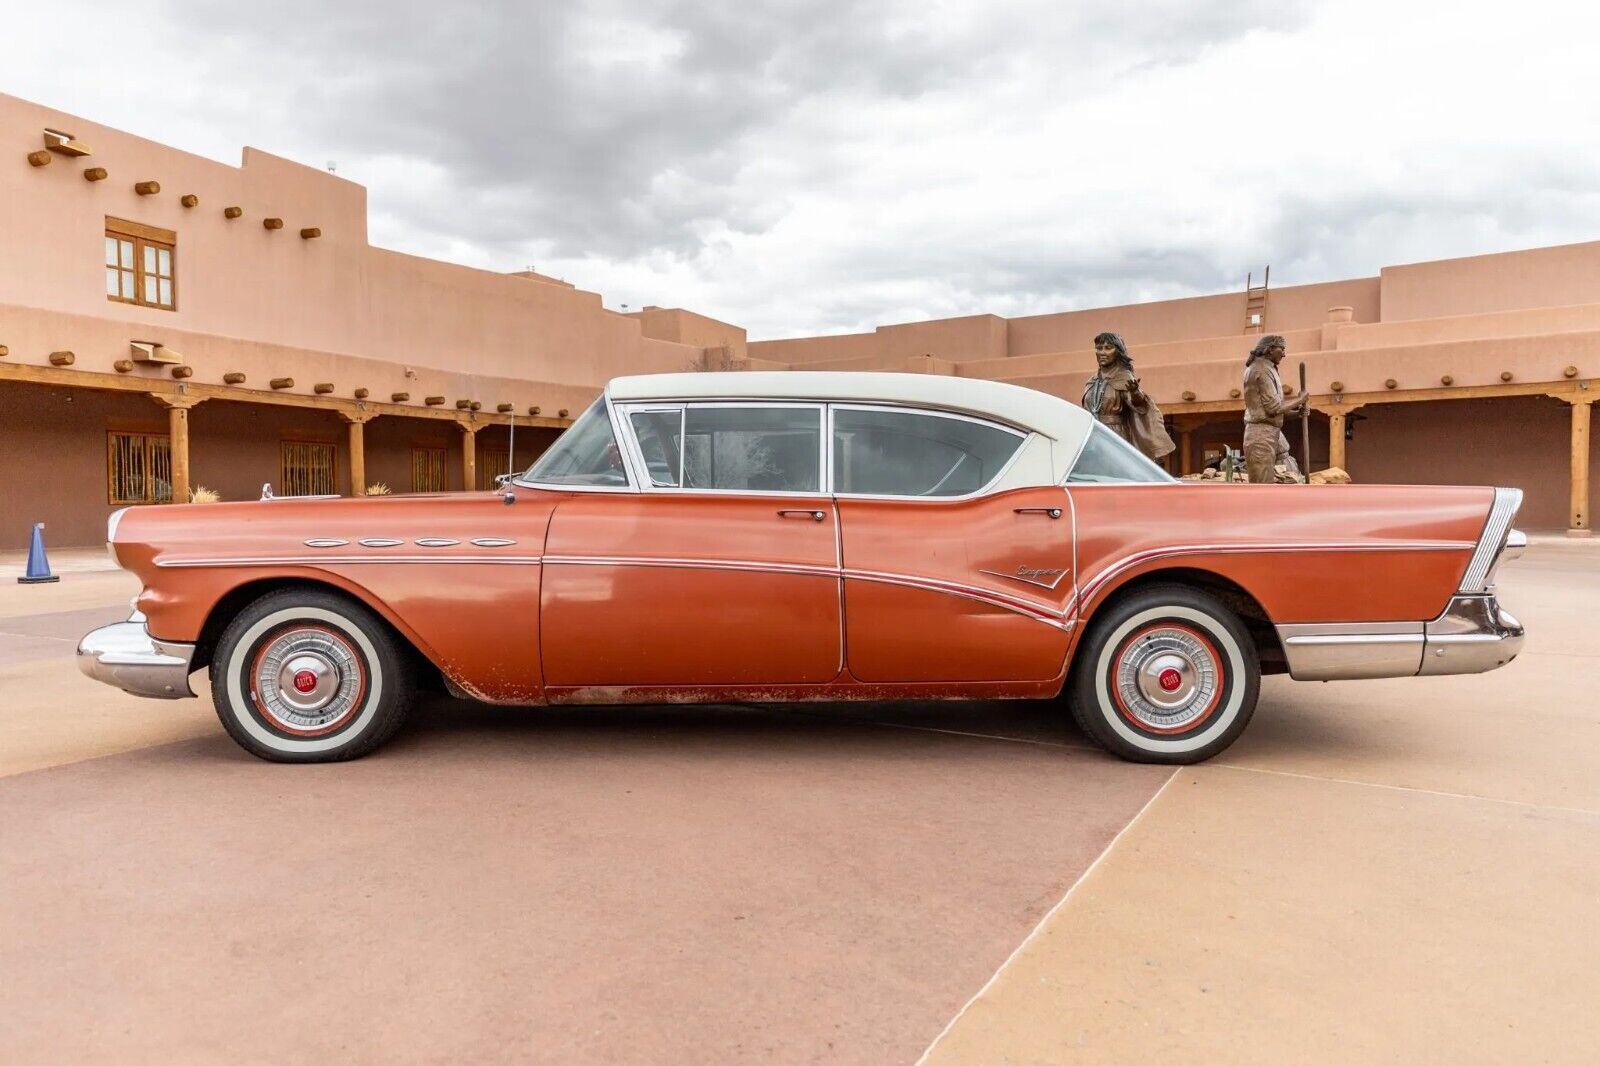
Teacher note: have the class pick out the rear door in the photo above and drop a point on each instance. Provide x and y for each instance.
(943, 580)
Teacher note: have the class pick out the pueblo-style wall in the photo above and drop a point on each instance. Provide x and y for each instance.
(286, 325)
(331, 307)
(1387, 360)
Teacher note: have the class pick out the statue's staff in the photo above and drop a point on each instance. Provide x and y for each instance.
(1305, 427)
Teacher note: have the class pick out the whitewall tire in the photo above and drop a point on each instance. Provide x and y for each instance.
(303, 675)
(1167, 674)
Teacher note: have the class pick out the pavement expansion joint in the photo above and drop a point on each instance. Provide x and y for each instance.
(1395, 788)
(1050, 914)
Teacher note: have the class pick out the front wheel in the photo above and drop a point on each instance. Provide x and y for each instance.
(1167, 674)
(310, 676)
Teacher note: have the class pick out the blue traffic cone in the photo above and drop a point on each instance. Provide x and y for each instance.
(38, 564)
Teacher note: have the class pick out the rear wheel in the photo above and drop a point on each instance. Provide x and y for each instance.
(310, 676)
(1166, 675)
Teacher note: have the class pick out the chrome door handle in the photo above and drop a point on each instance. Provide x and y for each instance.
(815, 516)
(1053, 512)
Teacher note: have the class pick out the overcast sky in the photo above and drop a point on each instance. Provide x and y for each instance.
(821, 166)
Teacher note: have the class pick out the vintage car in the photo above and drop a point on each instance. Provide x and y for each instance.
(776, 537)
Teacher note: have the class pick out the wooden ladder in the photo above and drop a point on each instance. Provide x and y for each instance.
(1255, 302)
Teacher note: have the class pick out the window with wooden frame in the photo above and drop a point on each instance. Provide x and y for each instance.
(427, 469)
(492, 463)
(306, 468)
(141, 264)
(138, 468)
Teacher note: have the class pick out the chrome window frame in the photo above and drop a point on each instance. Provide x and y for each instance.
(634, 454)
(1024, 438)
(629, 471)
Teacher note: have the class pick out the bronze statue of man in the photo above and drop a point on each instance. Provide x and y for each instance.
(1114, 397)
(1265, 446)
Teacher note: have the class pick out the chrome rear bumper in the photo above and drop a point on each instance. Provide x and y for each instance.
(1474, 634)
(125, 656)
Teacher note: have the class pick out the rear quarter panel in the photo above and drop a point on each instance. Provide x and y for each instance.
(1323, 553)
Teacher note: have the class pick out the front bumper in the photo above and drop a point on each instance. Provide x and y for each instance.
(1473, 634)
(125, 656)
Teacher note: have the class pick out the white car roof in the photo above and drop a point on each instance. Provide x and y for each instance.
(1065, 423)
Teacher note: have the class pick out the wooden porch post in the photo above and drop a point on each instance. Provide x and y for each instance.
(357, 423)
(1578, 516)
(1336, 440)
(1186, 450)
(178, 441)
(469, 455)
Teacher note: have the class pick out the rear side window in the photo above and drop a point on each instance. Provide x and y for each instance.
(1108, 459)
(916, 453)
(765, 448)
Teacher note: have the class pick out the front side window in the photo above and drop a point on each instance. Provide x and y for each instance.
(1108, 459)
(756, 448)
(140, 265)
(306, 468)
(916, 453)
(138, 468)
(585, 455)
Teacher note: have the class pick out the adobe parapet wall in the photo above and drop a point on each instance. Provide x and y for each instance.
(247, 285)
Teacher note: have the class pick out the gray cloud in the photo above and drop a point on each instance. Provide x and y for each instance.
(826, 165)
(622, 129)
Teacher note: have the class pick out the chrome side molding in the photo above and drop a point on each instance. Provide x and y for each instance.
(380, 542)
(492, 542)
(436, 542)
(325, 542)
(1352, 650)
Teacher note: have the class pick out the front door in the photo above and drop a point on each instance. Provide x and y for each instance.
(724, 571)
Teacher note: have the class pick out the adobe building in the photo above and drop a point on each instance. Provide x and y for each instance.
(1467, 371)
(168, 322)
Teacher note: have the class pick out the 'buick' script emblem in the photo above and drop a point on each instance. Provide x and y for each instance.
(1044, 577)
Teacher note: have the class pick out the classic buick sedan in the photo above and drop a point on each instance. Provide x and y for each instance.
(699, 538)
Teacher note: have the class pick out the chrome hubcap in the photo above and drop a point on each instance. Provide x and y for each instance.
(1167, 678)
(306, 680)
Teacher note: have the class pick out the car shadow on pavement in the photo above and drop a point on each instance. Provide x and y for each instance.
(1042, 723)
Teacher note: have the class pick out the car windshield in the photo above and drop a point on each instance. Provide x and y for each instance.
(1108, 459)
(585, 454)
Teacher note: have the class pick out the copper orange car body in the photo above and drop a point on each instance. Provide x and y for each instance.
(538, 594)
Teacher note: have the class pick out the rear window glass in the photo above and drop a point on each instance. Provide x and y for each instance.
(1108, 459)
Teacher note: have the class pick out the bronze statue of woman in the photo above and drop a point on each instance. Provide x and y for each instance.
(1114, 397)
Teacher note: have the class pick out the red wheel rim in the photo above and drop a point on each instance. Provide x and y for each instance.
(307, 680)
(1167, 678)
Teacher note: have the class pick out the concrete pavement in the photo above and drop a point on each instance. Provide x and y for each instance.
(1377, 871)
